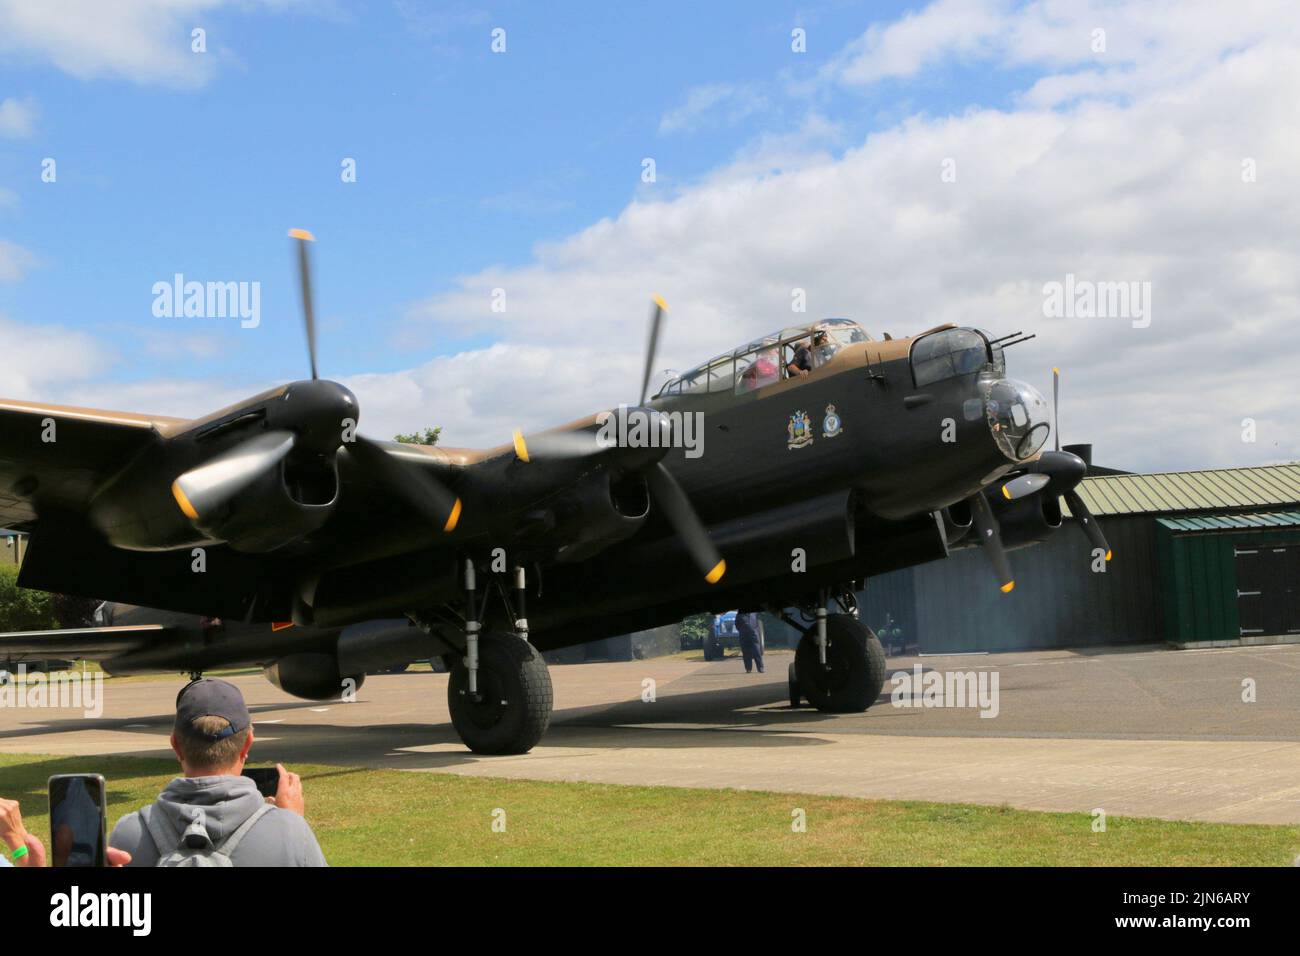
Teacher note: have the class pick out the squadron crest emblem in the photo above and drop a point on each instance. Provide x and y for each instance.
(831, 424)
(799, 430)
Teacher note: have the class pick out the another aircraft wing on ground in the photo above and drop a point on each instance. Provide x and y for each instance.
(80, 643)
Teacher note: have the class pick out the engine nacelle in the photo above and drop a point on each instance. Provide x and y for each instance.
(312, 676)
(956, 521)
(600, 511)
(1026, 521)
(289, 501)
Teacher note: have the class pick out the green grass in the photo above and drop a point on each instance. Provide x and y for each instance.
(397, 817)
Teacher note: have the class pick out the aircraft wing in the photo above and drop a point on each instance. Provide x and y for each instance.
(53, 458)
(79, 643)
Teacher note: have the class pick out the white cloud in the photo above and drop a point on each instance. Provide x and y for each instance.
(725, 103)
(17, 117)
(14, 260)
(1147, 187)
(36, 357)
(1143, 45)
(903, 48)
(145, 41)
(1124, 172)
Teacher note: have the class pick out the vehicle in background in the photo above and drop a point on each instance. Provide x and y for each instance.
(723, 635)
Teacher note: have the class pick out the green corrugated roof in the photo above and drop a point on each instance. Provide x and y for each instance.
(1274, 519)
(1171, 492)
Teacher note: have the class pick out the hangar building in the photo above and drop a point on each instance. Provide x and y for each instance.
(1202, 558)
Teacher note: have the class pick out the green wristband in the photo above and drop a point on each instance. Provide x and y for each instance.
(18, 853)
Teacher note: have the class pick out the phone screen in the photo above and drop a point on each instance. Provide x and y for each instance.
(266, 778)
(78, 820)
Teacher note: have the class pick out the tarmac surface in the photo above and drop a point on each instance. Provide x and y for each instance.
(1144, 731)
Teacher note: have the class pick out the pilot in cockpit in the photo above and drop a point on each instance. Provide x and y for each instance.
(806, 358)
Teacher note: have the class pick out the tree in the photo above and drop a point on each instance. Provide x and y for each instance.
(694, 629)
(72, 611)
(428, 437)
(22, 609)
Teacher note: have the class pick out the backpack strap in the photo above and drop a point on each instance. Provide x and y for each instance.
(164, 835)
(231, 843)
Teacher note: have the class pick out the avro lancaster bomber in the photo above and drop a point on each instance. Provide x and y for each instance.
(821, 457)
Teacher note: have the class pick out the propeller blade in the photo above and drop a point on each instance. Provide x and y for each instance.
(304, 279)
(201, 491)
(639, 435)
(1024, 485)
(677, 508)
(653, 346)
(1056, 404)
(991, 538)
(576, 444)
(423, 492)
(1087, 522)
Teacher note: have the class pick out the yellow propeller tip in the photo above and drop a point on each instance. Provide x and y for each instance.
(521, 447)
(1108, 554)
(1008, 587)
(1056, 371)
(714, 576)
(302, 234)
(1006, 493)
(186, 508)
(453, 518)
(659, 301)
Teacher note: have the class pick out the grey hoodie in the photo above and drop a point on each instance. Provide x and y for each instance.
(280, 838)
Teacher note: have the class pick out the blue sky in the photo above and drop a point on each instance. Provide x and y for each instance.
(465, 159)
(1114, 162)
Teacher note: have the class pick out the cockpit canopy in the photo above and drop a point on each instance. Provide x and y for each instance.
(951, 353)
(764, 361)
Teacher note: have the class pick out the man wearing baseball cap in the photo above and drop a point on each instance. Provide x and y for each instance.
(213, 816)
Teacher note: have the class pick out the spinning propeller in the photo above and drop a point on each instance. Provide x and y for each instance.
(306, 421)
(665, 491)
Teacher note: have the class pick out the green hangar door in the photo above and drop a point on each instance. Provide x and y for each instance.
(1268, 589)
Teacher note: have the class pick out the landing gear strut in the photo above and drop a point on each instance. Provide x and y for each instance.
(499, 692)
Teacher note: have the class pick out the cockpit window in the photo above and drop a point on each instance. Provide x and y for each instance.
(844, 331)
(760, 362)
(947, 354)
(758, 368)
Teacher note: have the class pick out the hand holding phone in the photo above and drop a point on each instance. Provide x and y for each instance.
(78, 820)
(266, 778)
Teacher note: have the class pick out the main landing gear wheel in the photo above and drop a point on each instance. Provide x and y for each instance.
(514, 702)
(854, 672)
(795, 696)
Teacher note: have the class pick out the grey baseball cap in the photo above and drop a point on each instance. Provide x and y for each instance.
(211, 697)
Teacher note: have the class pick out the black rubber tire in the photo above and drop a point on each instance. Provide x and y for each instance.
(796, 698)
(515, 697)
(713, 648)
(855, 671)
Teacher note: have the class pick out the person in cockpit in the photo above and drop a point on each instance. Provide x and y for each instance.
(803, 361)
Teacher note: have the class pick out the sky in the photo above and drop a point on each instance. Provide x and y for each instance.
(529, 175)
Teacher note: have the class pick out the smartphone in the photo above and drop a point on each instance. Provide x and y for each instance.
(78, 820)
(266, 778)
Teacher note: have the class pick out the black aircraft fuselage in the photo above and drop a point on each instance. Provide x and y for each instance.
(863, 465)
